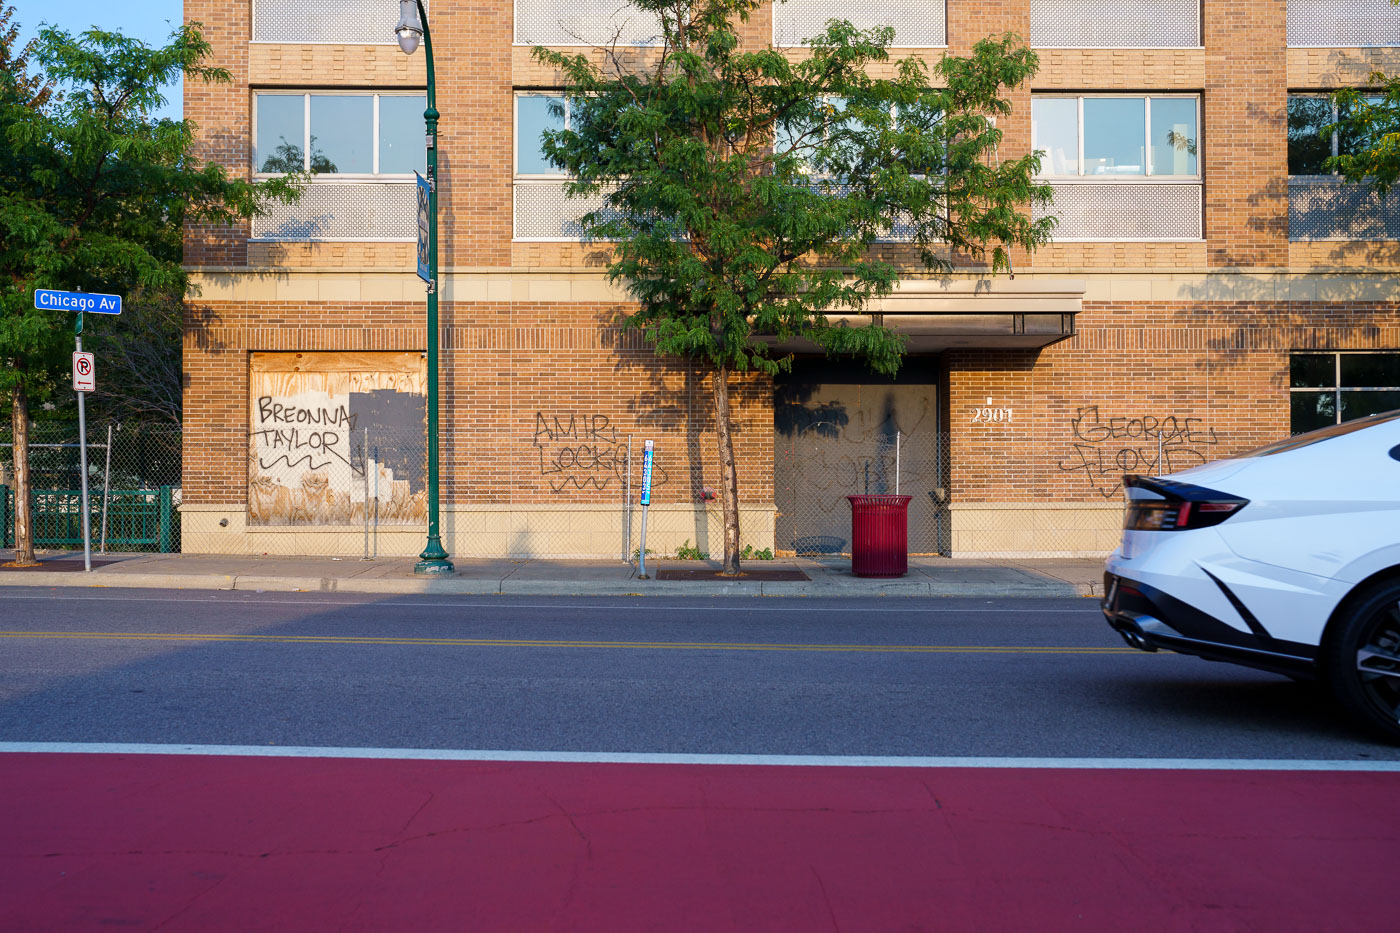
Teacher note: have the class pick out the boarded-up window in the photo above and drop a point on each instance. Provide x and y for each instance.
(337, 439)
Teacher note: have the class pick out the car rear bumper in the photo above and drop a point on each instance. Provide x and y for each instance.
(1149, 619)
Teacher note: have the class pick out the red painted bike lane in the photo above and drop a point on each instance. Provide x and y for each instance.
(180, 842)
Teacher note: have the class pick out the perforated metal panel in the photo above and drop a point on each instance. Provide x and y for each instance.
(1126, 212)
(358, 22)
(1330, 209)
(917, 23)
(1126, 24)
(584, 22)
(344, 211)
(1343, 24)
(544, 212)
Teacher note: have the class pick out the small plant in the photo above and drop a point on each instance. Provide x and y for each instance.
(637, 553)
(686, 552)
(750, 554)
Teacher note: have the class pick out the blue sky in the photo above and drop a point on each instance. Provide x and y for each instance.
(151, 21)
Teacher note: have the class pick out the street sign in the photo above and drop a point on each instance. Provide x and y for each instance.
(48, 299)
(84, 372)
(425, 193)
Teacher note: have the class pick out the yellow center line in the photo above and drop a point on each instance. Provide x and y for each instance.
(197, 638)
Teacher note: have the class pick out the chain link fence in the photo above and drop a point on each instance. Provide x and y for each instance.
(816, 470)
(133, 486)
(573, 493)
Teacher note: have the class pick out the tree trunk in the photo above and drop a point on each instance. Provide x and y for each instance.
(24, 525)
(729, 479)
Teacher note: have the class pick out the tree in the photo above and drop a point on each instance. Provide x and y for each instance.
(93, 191)
(744, 190)
(1368, 127)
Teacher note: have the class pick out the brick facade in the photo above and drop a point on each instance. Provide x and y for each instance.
(1180, 352)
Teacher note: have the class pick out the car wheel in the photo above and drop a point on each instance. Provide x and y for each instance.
(1361, 659)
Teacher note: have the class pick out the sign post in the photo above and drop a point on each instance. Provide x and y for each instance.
(84, 379)
(647, 452)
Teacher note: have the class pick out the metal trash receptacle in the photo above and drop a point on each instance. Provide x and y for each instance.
(879, 535)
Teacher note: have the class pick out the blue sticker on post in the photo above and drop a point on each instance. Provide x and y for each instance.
(49, 299)
(647, 450)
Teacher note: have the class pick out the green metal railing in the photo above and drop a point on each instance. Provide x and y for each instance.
(135, 520)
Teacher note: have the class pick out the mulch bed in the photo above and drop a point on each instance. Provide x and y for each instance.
(705, 573)
(62, 565)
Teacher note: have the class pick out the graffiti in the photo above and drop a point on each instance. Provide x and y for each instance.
(578, 451)
(582, 452)
(1104, 449)
(309, 466)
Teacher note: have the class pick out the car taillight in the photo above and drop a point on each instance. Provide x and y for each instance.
(1183, 507)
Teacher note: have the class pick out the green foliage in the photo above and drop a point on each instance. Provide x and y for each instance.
(750, 554)
(94, 190)
(744, 199)
(1369, 129)
(686, 552)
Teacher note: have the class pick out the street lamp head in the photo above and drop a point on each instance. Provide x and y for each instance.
(410, 28)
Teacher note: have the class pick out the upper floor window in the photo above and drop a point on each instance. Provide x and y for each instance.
(357, 133)
(584, 22)
(1343, 24)
(358, 22)
(535, 113)
(1128, 24)
(1308, 148)
(1109, 136)
(917, 23)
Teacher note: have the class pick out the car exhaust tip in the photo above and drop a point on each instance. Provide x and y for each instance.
(1132, 634)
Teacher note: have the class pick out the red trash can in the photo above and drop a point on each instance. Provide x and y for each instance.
(879, 535)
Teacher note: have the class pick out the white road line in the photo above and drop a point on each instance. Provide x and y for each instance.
(824, 761)
(238, 597)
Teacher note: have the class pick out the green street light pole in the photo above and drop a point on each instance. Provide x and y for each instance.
(413, 25)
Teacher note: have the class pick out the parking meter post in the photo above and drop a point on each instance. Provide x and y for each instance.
(648, 450)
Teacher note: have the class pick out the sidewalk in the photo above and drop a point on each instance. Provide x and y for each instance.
(786, 577)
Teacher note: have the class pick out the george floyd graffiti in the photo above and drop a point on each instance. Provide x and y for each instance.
(337, 439)
(1104, 448)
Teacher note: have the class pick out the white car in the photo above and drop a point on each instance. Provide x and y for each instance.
(1285, 558)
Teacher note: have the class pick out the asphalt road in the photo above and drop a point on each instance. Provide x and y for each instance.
(895, 677)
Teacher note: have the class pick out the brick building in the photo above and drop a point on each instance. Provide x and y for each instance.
(1209, 289)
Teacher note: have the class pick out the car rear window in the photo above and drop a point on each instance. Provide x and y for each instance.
(1321, 434)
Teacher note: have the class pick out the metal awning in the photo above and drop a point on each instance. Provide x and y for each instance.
(937, 315)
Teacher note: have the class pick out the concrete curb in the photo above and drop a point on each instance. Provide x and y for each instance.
(508, 587)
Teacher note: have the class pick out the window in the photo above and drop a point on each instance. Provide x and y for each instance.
(1110, 136)
(1308, 149)
(353, 134)
(535, 113)
(1332, 387)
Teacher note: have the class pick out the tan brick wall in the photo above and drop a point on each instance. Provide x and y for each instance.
(1310, 69)
(332, 255)
(1244, 134)
(1348, 254)
(1120, 69)
(1211, 379)
(472, 43)
(507, 368)
(523, 339)
(273, 64)
(1120, 255)
(221, 115)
